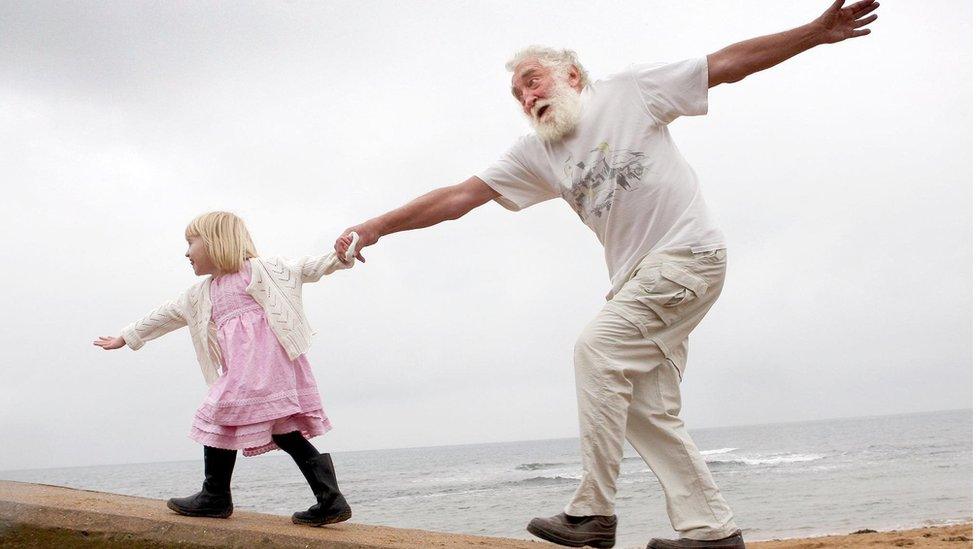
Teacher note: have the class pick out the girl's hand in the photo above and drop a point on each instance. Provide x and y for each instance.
(367, 237)
(109, 343)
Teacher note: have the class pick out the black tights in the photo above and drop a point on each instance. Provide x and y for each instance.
(300, 449)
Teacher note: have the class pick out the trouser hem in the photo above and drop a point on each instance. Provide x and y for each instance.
(587, 510)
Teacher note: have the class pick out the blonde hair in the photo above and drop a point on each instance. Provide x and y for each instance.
(228, 242)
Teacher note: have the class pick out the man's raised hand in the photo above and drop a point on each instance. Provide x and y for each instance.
(840, 23)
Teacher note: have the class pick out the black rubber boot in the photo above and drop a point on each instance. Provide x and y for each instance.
(214, 499)
(331, 507)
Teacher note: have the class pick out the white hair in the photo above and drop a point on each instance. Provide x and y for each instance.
(562, 60)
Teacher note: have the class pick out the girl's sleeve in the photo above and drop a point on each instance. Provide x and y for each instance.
(311, 269)
(160, 321)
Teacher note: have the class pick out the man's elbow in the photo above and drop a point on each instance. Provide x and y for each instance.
(721, 70)
(456, 205)
(455, 211)
(734, 77)
(468, 196)
(462, 203)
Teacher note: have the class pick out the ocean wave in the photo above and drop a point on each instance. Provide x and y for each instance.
(537, 466)
(544, 481)
(702, 452)
(719, 451)
(776, 459)
(412, 495)
(444, 480)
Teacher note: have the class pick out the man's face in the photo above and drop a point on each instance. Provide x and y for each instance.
(532, 82)
(549, 99)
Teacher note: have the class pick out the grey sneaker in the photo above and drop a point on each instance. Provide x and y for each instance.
(732, 542)
(593, 531)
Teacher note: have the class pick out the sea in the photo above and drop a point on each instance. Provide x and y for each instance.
(783, 480)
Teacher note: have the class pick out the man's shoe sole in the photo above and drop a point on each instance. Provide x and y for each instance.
(549, 536)
(665, 544)
(342, 517)
(187, 513)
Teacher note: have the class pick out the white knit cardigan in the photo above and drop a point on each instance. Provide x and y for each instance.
(276, 284)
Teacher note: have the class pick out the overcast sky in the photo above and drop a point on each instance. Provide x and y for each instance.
(842, 180)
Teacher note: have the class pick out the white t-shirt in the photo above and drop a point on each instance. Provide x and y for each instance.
(619, 169)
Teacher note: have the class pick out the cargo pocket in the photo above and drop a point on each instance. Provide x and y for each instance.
(673, 291)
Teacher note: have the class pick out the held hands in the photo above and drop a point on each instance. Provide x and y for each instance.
(837, 23)
(367, 237)
(109, 343)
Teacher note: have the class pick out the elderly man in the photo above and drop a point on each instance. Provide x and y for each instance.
(604, 147)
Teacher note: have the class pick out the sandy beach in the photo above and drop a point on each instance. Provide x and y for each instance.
(959, 535)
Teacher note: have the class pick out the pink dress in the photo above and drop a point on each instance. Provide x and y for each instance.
(261, 391)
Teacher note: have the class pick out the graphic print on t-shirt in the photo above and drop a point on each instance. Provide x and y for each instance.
(589, 186)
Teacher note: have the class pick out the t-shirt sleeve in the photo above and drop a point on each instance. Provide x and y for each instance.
(511, 177)
(670, 90)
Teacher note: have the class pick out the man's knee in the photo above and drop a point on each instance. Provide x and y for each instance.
(597, 350)
(603, 335)
(591, 344)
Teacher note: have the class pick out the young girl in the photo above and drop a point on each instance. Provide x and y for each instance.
(250, 334)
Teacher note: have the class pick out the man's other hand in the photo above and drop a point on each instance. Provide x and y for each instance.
(840, 23)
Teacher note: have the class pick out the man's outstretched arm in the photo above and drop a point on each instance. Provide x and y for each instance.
(838, 23)
(430, 209)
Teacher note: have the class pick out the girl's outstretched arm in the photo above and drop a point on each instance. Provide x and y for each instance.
(314, 268)
(108, 343)
(160, 321)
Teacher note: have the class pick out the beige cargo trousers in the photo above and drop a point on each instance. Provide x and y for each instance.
(629, 361)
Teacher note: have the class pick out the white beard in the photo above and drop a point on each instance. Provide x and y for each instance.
(565, 107)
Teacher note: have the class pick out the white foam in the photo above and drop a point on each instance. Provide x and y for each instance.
(719, 451)
(775, 459)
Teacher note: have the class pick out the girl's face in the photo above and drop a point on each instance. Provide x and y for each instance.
(199, 256)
